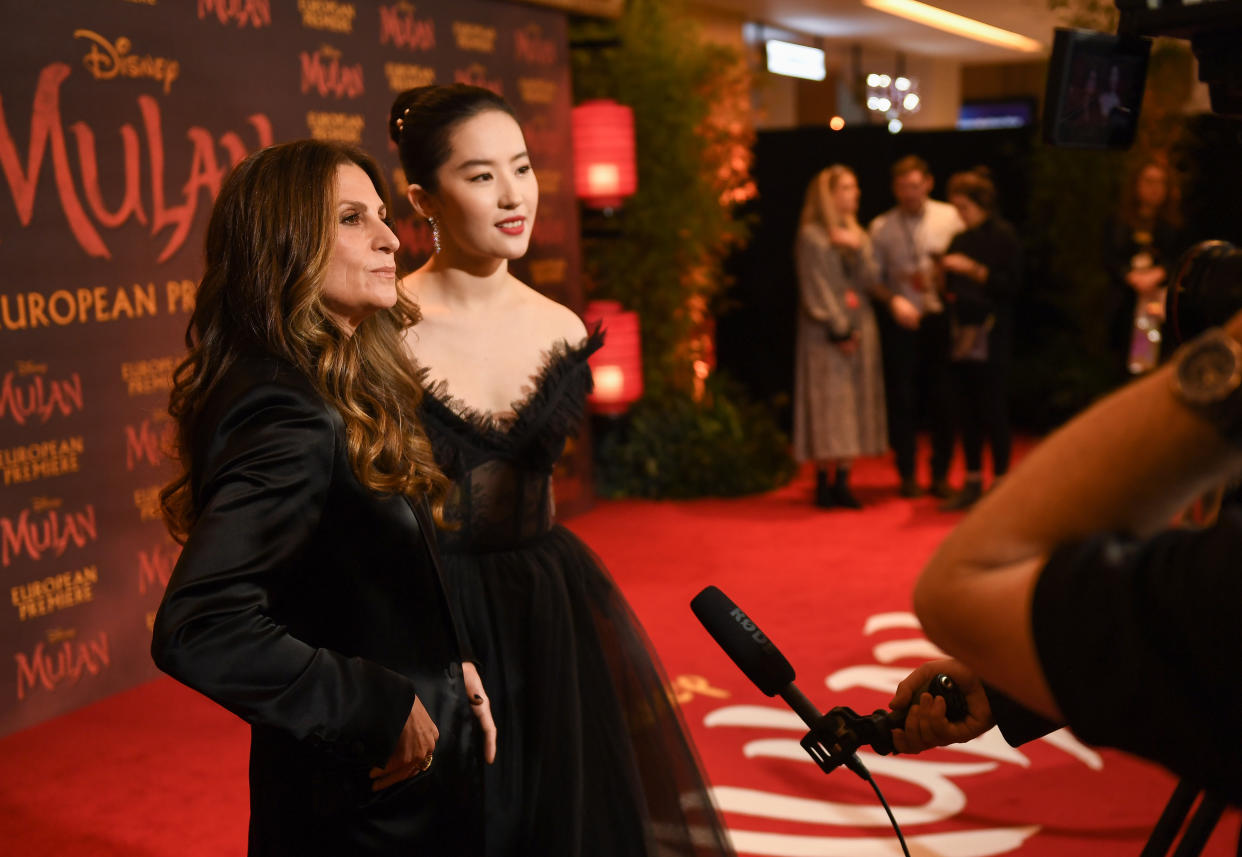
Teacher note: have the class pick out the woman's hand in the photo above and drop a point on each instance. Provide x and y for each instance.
(960, 263)
(482, 708)
(1146, 280)
(905, 313)
(927, 724)
(845, 239)
(413, 753)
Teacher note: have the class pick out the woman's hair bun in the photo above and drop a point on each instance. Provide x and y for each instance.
(401, 109)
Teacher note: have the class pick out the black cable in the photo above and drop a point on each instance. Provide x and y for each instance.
(891, 817)
(855, 764)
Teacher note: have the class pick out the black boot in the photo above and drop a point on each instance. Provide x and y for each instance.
(972, 490)
(841, 492)
(940, 488)
(823, 491)
(910, 488)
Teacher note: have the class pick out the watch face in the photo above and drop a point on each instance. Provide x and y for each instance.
(1209, 372)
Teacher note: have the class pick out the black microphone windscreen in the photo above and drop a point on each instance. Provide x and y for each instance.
(742, 641)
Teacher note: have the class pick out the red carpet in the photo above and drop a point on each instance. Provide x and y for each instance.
(160, 772)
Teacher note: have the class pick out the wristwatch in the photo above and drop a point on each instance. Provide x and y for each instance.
(1208, 378)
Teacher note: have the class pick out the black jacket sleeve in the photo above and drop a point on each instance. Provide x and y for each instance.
(267, 470)
(1017, 723)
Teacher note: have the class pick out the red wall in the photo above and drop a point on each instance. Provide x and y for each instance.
(118, 121)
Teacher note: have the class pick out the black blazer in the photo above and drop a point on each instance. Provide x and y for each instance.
(312, 608)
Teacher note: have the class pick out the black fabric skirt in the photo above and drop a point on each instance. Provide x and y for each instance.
(593, 757)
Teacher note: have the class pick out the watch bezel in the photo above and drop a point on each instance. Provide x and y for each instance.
(1203, 396)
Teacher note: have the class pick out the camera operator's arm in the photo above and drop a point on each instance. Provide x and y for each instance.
(1126, 465)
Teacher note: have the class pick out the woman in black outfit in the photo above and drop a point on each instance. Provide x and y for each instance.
(307, 598)
(1141, 250)
(594, 760)
(982, 271)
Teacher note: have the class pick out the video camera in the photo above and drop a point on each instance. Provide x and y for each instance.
(1094, 95)
(1096, 80)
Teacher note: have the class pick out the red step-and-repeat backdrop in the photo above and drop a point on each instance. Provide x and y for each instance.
(118, 121)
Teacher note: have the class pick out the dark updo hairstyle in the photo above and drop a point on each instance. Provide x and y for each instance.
(422, 120)
(976, 185)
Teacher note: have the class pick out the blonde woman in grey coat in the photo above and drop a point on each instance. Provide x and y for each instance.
(838, 380)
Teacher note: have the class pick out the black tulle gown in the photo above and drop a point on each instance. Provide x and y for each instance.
(593, 759)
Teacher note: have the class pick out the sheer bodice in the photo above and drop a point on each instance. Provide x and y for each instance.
(501, 466)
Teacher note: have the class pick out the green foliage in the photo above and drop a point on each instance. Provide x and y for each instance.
(670, 446)
(662, 254)
(1073, 196)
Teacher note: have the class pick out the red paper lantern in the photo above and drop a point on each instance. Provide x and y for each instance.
(604, 168)
(617, 368)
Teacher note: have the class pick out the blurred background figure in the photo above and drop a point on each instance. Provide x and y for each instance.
(982, 272)
(839, 411)
(1142, 247)
(916, 340)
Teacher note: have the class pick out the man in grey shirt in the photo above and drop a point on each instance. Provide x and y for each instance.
(908, 242)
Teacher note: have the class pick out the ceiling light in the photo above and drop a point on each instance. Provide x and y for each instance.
(795, 60)
(959, 25)
(894, 126)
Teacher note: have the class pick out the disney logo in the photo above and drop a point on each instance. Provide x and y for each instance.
(106, 60)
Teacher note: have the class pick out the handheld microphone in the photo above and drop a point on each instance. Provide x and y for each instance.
(752, 651)
(834, 737)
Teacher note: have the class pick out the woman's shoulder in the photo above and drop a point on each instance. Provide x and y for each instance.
(1002, 228)
(551, 321)
(256, 368)
(813, 232)
(262, 403)
(257, 381)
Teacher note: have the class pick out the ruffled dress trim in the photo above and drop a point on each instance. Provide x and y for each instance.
(534, 429)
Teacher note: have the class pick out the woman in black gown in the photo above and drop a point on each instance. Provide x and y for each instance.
(306, 599)
(593, 759)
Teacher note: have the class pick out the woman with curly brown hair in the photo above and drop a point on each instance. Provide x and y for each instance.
(307, 599)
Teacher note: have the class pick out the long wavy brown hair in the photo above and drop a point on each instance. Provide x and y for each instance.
(1170, 211)
(269, 242)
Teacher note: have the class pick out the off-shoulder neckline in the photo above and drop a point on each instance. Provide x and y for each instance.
(557, 361)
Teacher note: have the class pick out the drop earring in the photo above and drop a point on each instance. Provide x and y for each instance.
(435, 234)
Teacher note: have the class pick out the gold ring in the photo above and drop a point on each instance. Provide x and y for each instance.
(427, 761)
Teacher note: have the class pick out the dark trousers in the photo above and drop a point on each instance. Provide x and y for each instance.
(982, 410)
(916, 371)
